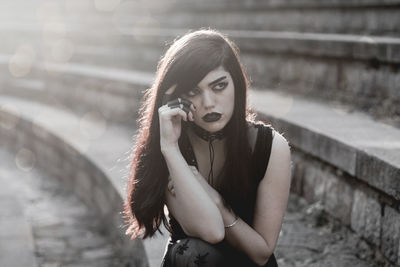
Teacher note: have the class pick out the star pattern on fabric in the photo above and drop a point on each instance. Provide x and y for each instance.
(201, 259)
(183, 247)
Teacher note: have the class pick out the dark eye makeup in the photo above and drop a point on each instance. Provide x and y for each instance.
(221, 86)
(218, 87)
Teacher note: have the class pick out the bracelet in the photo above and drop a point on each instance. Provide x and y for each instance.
(232, 224)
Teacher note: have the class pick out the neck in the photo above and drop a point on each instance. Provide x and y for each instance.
(206, 135)
(198, 141)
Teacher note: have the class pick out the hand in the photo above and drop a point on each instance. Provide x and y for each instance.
(171, 114)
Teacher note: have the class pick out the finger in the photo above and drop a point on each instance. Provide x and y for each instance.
(180, 101)
(186, 102)
(193, 107)
(183, 107)
(174, 111)
(186, 109)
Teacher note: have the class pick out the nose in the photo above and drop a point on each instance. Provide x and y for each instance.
(208, 100)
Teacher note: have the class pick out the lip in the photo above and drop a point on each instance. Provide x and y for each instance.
(212, 117)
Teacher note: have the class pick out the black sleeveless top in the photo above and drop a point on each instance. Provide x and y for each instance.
(259, 163)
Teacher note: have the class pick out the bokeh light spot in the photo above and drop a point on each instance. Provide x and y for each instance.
(25, 159)
(21, 62)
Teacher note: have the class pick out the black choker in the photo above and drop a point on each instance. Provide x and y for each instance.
(209, 137)
(206, 135)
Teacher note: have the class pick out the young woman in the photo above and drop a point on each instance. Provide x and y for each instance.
(224, 178)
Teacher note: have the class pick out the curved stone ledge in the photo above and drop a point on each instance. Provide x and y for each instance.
(255, 4)
(357, 47)
(353, 143)
(54, 139)
(79, 87)
(300, 16)
(347, 162)
(347, 46)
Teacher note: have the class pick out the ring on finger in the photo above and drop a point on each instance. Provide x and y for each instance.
(181, 106)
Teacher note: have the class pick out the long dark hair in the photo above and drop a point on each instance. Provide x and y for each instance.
(187, 61)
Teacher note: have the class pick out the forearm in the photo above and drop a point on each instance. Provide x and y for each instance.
(244, 238)
(241, 236)
(201, 214)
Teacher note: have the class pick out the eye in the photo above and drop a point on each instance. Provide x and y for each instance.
(220, 86)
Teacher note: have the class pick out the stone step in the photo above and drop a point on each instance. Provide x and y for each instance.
(351, 141)
(372, 18)
(346, 46)
(15, 231)
(361, 72)
(88, 155)
(64, 232)
(80, 88)
(300, 224)
(356, 70)
(350, 17)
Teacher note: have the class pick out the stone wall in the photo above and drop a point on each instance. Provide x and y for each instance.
(370, 213)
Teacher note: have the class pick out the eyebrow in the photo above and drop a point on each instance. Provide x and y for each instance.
(215, 81)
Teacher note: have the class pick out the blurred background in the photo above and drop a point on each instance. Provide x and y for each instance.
(324, 73)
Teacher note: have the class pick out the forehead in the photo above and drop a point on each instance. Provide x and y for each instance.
(213, 75)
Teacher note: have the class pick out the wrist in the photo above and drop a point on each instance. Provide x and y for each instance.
(232, 224)
(228, 216)
(169, 149)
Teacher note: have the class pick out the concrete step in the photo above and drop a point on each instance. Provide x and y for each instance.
(358, 71)
(300, 225)
(350, 17)
(355, 70)
(351, 141)
(337, 17)
(76, 152)
(63, 231)
(80, 88)
(15, 230)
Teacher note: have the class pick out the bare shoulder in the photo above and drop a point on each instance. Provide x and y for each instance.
(279, 142)
(280, 155)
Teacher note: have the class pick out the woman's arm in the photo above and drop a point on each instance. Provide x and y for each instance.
(191, 206)
(259, 241)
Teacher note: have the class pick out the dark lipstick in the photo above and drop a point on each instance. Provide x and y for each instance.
(211, 117)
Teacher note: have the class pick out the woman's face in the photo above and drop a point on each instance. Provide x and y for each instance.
(214, 99)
